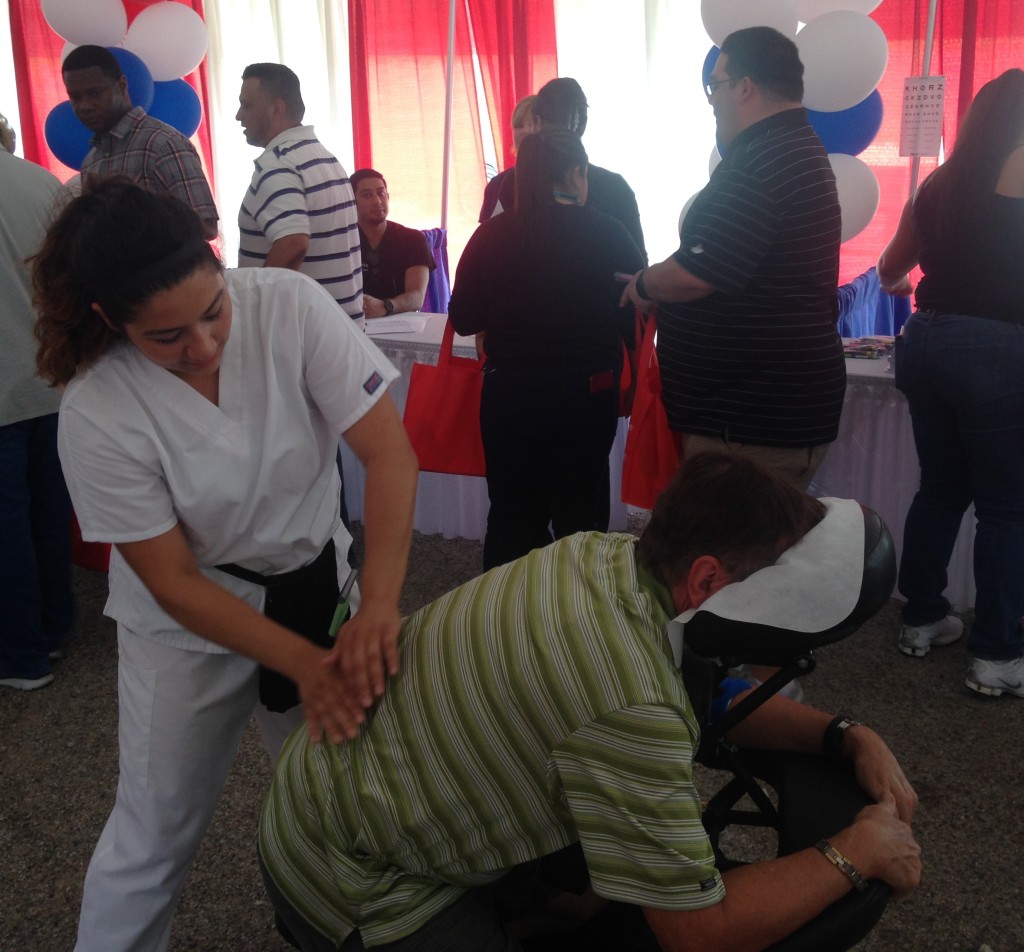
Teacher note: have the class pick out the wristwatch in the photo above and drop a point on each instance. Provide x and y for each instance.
(834, 741)
(389, 306)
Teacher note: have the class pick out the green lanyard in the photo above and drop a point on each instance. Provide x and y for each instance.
(343, 599)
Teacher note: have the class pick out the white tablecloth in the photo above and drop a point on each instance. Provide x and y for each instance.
(455, 506)
(874, 462)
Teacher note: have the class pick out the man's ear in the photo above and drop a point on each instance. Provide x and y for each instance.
(106, 320)
(705, 577)
(746, 89)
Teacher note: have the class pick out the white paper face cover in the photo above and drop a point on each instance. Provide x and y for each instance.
(812, 587)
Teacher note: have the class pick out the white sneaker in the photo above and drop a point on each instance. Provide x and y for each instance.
(26, 684)
(917, 641)
(997, 677)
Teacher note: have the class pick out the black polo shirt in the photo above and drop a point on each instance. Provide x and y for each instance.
(384, 267)
(760, 359)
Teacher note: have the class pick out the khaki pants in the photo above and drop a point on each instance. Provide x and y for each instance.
(795, 464)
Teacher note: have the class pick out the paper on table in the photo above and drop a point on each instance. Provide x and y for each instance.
(411, 323)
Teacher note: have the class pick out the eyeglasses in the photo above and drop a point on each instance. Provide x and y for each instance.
(709, 88)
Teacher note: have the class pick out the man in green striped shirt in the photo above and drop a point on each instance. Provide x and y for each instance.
(539, 706)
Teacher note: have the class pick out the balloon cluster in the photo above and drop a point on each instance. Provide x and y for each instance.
(164, 42)
(844, 53)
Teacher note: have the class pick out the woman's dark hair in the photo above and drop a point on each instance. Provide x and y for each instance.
(544, 160)
(727, 506)
(992, 129)
(116, 245)
(560, 102)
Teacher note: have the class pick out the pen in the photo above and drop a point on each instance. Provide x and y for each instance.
(342, 606)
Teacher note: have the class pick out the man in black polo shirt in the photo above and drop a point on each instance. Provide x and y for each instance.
(397, 261)
(750, 357)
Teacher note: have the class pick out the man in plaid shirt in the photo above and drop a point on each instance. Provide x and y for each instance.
(128, 142)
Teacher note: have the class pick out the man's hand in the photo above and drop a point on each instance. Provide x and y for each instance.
(373, 307)
(881, 846)
(630, 295)
(367, 650)
(878, 773)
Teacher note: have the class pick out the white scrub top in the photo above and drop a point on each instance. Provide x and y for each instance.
(253, 480)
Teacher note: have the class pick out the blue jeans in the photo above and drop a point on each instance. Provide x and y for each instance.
(963, 380)
(36, 604)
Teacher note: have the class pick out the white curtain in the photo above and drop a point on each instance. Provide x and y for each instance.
(9, 102)
(309, 37)
(639, 64)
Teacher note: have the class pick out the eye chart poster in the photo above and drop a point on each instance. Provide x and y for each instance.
(921, 129)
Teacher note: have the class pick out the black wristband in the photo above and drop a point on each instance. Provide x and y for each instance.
(640, 289)
(835, 735)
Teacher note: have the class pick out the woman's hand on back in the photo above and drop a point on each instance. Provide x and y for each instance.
(367, 650)
(332, 709)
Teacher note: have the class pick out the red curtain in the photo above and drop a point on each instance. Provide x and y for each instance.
(398, 57)
(515, 42)
(975, 41)
(37, 52)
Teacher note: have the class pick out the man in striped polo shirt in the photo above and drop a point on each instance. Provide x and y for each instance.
(299, 211)
(751, 360)
(539, 707)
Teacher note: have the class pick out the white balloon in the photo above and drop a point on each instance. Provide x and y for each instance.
(169, 38)
(807, 10)
(686, 208)
(99, 22)
(844, 56)
(722, 17)
(858, 193)
(714, 159)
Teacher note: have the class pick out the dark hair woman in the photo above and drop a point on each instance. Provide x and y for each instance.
(198, 432)
(959, 362)
(539, 283)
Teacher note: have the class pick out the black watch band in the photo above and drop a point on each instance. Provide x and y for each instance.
(835, 735)
(389, 306)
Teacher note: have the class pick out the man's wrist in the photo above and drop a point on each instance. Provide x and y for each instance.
(842, 863)
(833, 743)
(640, 288)
(389, 306)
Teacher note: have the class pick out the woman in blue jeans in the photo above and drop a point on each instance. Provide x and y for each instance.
(959, 362)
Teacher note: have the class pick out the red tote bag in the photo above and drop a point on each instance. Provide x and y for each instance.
(442, 412)
(652, 453)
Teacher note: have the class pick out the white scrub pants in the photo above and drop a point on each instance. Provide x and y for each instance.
(181, 718)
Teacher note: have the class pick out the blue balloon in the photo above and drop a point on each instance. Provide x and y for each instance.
(176, 103)
(140, 80)
(67, 138)
(709, 65)
(849, 130)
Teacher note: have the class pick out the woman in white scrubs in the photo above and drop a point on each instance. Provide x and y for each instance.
(198, 428)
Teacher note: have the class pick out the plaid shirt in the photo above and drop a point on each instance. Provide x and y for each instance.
(156, 156)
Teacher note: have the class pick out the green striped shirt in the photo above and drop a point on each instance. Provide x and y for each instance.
(536, 705)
